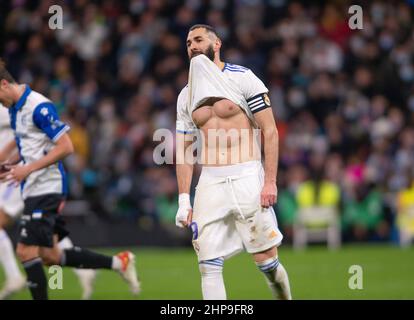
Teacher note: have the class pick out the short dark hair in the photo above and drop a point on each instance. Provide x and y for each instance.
(205, 26)
(4, 74)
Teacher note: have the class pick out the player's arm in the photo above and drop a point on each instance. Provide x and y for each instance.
(46, 120)
(184, 162)
(7, 155)
(184, 171)
(266, 122)
(258, 101)
(14, 158)
(63, 147)
(8, 149)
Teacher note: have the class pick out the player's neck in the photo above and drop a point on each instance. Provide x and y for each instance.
(219, 63)
(17, 91)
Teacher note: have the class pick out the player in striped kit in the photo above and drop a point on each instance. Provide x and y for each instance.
(42, 142)
(11, 208)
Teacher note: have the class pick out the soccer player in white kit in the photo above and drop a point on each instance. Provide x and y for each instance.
(11, 208)
(42, 142)
(233, 200)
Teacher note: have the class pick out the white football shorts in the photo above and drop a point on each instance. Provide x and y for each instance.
(227, 214)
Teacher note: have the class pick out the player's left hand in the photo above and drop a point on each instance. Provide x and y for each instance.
(268, 197)
(18, 173)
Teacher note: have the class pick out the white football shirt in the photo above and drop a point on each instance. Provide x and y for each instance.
(252, 88)
(37, 127)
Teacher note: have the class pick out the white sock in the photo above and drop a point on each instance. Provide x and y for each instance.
(277, 278)
(212, 283)
(116, 263)
(7, 257)
(65, 243)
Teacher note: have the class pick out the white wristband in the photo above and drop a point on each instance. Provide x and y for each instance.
(184, 199)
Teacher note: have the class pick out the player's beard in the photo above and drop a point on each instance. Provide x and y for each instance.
(209, 53)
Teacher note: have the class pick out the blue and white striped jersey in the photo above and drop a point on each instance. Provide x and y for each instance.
(37, 127)
(253, 89)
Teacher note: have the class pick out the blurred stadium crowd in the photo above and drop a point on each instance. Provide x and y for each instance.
(343, 99)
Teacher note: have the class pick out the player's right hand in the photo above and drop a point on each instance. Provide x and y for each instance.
(183, 217)
(184, 214)
(268, 196)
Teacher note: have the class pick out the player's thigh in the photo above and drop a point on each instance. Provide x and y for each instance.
(211, 202)
(214, 231)
(26, 252)
(217, 239)
(5, 220)
(38, 222)
(266, 254)
(51, 256)
(259, 232)
(11, 204)
(247, 190)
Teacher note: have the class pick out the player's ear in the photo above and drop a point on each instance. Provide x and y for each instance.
(4, 83)
(217, 44)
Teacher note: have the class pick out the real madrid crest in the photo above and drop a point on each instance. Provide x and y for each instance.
(266, 99)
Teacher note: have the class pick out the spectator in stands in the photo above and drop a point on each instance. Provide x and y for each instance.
(115, 69)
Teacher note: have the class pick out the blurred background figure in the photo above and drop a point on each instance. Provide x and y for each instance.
(405, 218)
(318, 207)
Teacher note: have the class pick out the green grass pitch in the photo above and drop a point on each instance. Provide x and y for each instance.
(315, 273)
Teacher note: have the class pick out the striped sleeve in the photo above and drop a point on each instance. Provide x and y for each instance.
(46, 119)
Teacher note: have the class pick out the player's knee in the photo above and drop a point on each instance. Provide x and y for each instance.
(26, 253)
(4, 219)
(268, 265)
(50, 258)
(211, 267)
(48, 261)
(265, 255)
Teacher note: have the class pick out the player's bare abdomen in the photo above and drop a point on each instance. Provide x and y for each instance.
(228, 136)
